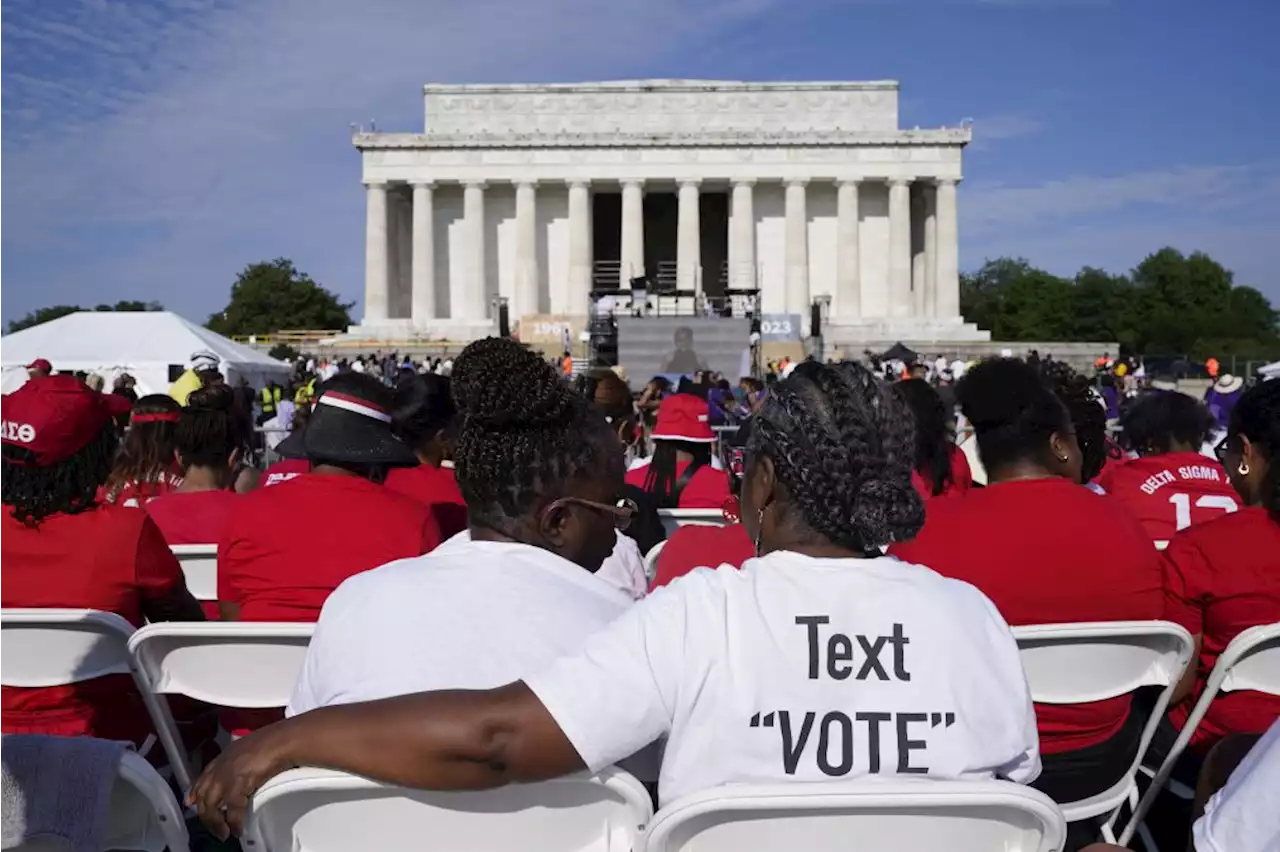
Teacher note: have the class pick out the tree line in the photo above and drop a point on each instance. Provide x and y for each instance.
(1169, 304)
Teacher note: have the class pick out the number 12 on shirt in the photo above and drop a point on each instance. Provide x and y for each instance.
(1182, 506)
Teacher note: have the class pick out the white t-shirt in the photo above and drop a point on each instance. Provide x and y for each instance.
(624, 568)
(1242, 816)
(803, 669)
(468, 615)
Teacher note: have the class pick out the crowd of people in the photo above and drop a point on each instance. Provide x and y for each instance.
(469, 538)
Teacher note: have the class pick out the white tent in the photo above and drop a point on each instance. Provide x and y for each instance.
(153, 347)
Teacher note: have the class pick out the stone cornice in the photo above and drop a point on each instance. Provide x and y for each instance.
(623, 139)
(677, 85)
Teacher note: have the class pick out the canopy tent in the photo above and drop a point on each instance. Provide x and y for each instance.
(899, 352)
(154, 347)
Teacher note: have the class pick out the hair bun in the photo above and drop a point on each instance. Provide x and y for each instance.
(887, 510)
(212, 399)
(997, 392)
(499, 384)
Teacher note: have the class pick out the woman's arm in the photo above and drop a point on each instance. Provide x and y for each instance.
(446, 740)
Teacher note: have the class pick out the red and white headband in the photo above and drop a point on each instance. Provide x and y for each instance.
(354, 404)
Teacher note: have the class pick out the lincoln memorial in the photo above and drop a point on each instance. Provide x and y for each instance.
(799, 194)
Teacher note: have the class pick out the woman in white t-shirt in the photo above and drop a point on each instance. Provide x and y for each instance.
(818, 660)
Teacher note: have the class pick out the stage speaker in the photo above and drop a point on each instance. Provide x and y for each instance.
(504, 321)
(815, 320)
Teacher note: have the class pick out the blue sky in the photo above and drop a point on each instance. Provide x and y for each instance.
(152, 148)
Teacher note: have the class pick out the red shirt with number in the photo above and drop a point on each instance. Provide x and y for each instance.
(1170, 492)
(110, 559)
(1224, 577)
(1047, 551)
(437, 488)
(708, 488)
(284, 470)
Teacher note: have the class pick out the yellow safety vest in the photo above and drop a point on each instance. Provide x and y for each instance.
(305, 393)
(270, 399)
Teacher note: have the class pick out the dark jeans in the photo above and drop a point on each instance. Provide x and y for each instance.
(1073, 775)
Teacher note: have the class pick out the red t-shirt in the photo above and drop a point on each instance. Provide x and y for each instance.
(110, 559)
(194, 517)
(961, 478)
(1223, 577)
(287, 547)
(437, 488)
(694, 545)
(139, 493)
(1047, 551)
(284, 470)
(707, 489)
(1170, 492)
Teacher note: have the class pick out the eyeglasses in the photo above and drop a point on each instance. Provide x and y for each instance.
(1223, 447)
(623, 510)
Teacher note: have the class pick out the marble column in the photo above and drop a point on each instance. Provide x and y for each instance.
(689, 239)
(579, 247)
(742, 242)
(466, 294)
(526, 291)
(402, 286)
(848, 302)
(632, 251)
(917, 252)
(423, 287)
(900, 248)
(376, 266)
(948, 276)
(796, 251)
(930, 253)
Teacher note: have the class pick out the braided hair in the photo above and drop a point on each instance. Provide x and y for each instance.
(1012, 410)
(69, 487)
(207, 433)
(1157, 421)
(1088, 416)
(933, 433)
(1257, 417)
(842, 445)
(146, 455)
(523, 432)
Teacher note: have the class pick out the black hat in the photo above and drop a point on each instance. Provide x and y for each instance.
(345, 426)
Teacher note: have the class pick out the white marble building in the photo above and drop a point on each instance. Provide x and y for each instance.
(542, 193)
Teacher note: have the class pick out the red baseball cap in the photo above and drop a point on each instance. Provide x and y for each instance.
(41, 364)
(56, 416)
(684, 417)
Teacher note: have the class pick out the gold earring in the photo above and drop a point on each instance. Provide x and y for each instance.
(1243, 469)
(759, 529)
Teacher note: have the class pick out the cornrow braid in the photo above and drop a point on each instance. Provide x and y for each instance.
(522, 431)
(843, 446)
(1257, 416)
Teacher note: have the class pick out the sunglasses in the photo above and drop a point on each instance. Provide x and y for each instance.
(622, 511)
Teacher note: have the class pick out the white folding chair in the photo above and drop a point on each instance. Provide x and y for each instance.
(58, 647)
(143, 812)
(200, 566)
(673, 519)
(320, 810)
(240, 664)
(1081, 663)
(1250, 661)
(651, 560)
(873, 815)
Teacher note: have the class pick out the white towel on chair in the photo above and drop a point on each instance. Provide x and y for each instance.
(57, 787)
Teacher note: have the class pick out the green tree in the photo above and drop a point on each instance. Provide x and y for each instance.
(1016, 301)
(44, 315)
(271, 296)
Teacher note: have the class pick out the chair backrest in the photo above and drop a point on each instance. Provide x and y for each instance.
(325, 811)
(673, 519)
(55, 647)
(651, 560)
(1250, 661)
(143, 814)
(877, 815)
(200, 566)
(242, 664)
(1079, 663)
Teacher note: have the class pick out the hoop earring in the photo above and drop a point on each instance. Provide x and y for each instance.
(1243, 469)
(759, 528)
